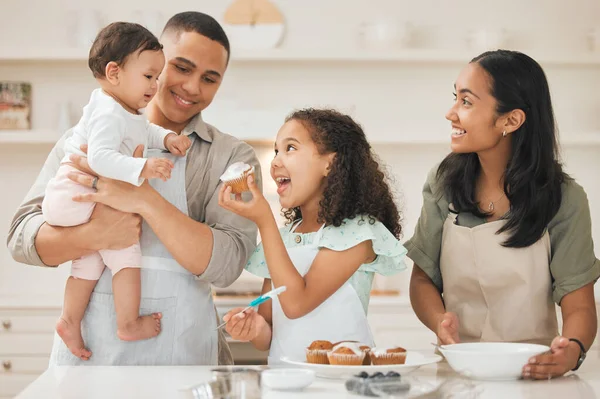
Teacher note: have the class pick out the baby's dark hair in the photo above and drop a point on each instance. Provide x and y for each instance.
(356, 184)
(116, 42)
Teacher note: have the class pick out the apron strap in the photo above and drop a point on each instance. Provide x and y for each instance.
(293, 226)
(452, 214)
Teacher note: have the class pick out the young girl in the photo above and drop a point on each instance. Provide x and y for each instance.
(126, 60)
(504, 233)
(343, 227)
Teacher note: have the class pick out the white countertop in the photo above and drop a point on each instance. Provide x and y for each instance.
(168, 382)
(55, 302)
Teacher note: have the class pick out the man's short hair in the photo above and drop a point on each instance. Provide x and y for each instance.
(116, 42)
(203, 24)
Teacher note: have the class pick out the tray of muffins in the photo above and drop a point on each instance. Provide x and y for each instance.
(347, 358)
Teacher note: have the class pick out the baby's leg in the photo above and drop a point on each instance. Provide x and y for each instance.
(125, 265)
(85, 274)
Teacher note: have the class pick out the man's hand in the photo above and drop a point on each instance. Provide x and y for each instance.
(119, 195)
(115, 229)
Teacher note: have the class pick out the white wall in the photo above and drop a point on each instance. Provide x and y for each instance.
(391, 100)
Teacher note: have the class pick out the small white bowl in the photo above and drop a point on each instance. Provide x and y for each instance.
(496, 361)
(287, 379)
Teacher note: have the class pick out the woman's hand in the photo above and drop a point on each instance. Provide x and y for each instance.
(256, 210)
(562, 358)
(447, 330)
(244, 326)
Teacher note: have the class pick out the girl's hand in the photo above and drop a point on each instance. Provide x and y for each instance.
(245, 326)
(447, 331)
(256, 210)
(562, 358)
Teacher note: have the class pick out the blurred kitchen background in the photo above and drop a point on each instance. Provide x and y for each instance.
(391, 64)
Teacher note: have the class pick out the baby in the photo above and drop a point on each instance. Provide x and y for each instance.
(126, 60)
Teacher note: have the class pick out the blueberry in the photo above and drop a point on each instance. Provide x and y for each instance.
(377, 375)
(363, 374)
(392, 374)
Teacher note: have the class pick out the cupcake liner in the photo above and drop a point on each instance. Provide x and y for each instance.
(388, 358)
(317, 356)
(367, 360)
(345, 360)
(240, 184)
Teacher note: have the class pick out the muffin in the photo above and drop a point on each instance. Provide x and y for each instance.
(364, 348)
(346, 354)
(317, 352)
(236, 176)
(367, 350)
(391, 355)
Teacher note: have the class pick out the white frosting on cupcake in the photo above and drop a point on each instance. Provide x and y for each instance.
(353, 346)
(236, 170)
(384, 351)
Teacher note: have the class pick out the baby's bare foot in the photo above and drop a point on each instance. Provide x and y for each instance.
(70, 333)
(144, 327)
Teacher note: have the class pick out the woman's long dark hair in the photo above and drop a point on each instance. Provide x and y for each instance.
(355, 185)
(533, 176)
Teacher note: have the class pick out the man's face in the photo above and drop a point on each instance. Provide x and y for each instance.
(193, 72)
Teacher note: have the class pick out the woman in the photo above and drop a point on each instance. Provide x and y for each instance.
(504, 232)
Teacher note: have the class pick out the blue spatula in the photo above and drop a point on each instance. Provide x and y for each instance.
(263, 298)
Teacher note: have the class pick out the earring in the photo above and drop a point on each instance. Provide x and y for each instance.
(504, 133)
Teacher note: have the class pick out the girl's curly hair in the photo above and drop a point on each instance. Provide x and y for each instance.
(355, 185)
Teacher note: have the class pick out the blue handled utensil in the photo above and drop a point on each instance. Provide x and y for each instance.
(263, 298)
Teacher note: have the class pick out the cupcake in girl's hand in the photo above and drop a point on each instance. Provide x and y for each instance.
(347, 354)
(236, 176)
(317, 352)
(391, 355)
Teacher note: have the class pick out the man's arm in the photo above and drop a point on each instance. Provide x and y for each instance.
(216, 250)
(28, 221)
(33, 242)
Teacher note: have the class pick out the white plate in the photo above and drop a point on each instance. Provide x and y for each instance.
(287, 379)
(414, 360)
(490, 360)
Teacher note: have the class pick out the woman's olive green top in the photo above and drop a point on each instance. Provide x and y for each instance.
(573, 263)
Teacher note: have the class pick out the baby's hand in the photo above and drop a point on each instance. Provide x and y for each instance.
(245, 326)
(177, 144)
(157, 168)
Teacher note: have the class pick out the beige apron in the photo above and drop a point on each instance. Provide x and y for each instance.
(499, 294)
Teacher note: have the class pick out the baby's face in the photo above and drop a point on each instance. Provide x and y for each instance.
(138, 78)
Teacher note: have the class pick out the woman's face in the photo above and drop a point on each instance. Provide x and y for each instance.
(475, 125)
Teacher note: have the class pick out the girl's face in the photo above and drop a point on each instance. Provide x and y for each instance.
(298, 169)
(475, 125)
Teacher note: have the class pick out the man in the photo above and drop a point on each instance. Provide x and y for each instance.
(182, 255)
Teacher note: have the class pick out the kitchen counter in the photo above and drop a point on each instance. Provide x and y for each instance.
(169, 382)
(51, 302)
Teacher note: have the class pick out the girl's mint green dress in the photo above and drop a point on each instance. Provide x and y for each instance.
(390, 253)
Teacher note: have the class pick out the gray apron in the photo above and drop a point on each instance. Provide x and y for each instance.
(188, 335)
